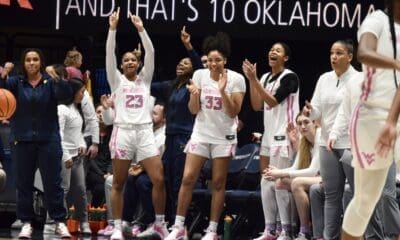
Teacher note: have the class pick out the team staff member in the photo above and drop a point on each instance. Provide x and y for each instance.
(36, 139)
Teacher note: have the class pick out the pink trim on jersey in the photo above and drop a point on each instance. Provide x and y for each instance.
(289, 109)
(230, 151)
(353, 133)
(278, 149)
(366, 86)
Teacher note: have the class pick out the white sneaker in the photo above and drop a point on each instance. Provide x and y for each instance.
(177, 233)
(284, 236)
(210, 236)
(108, 231)
(301, 236)
(17, 224)
(159, 229)
(26, 231)
(117, 234)
(85, 228)
(62, 230)
(49, 228)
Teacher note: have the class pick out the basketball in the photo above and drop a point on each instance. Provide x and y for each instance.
(7, 104)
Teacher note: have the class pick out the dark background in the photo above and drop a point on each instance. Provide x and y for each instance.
(21, 28)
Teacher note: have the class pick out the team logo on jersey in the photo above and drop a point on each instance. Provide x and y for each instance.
(230, 137)
(369, 157)
(279, 138)
(22, 3)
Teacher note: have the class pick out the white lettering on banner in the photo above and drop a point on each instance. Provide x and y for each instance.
(194, 10)
(317, 13)
(106, 14)
(258, 11)
(162, 10)
(279, 13)
(73, 6)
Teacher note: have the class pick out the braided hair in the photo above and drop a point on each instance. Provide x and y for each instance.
(389, 9)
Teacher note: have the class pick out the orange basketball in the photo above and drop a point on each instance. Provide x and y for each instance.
(7, 104)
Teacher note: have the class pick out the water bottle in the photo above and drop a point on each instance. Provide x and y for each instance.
(227, 227)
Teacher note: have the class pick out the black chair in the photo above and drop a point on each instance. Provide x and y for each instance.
(244, 202)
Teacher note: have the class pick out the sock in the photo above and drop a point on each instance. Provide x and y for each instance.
(212, 227)
(160, 218)
(305, 229)
(179, 221)
(117, 223)
(270, 227)
(286, 228)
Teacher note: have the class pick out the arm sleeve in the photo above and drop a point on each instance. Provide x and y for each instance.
(62, 118)
(113, 75)
(289, 84)
(148, 67)
(159, 90)
(89, 114)
(316, 102)
(195, 59)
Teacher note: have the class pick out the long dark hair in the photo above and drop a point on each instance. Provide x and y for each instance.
(41, 56)
(76, 85)
(389, 9)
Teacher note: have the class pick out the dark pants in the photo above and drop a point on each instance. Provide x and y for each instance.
(174, 164)
(27, 156)
(138, 191)
(95, 184)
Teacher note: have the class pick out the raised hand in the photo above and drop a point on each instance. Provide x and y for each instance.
(223, 80)
(185, 38)
(386, 140)
(113, 20)
(137, 22)
(106, 101)
(249, 70)
(8, 66)
(138, 51)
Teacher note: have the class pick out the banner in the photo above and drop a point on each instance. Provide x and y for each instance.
(292, 19)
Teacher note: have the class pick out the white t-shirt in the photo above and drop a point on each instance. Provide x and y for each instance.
(379, 87)
(212, 124)
(70, 122)
(276, 119)
(132, 102)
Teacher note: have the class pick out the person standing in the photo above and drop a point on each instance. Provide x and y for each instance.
(277, 94)
(132, 137)
(216, 96)
(36, 141)
(374, 148)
